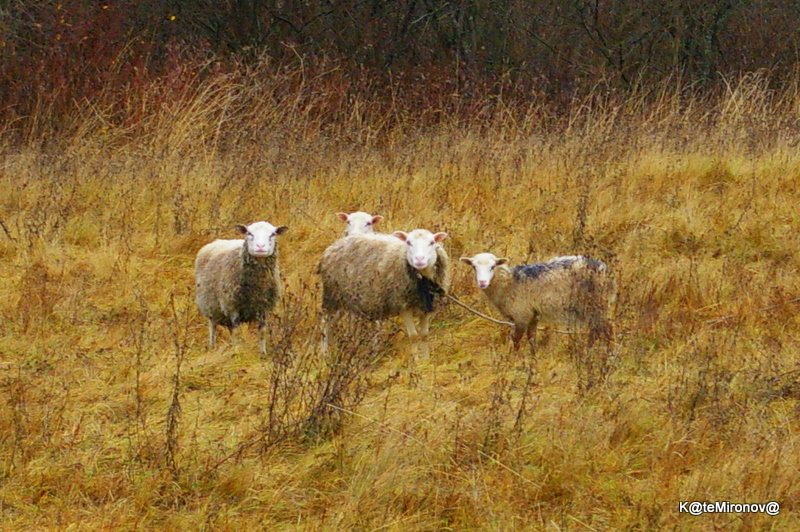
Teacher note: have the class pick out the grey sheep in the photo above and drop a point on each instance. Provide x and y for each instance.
(238, 281)
(572, 290)
(378, 276)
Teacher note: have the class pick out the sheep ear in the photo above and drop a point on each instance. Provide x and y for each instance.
(466, 260)
(438, 237)
(401, 235)
(377, 219)
(342, 216)
(241, 228)
(280, 230)
(501, 261)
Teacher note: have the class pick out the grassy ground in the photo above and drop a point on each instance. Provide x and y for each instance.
(115, 415)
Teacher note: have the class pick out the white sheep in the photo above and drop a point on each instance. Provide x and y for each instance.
(359, 222)
(572, 290)
(379, 276)
(238, 281)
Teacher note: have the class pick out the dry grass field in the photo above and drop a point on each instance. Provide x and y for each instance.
(115, 415)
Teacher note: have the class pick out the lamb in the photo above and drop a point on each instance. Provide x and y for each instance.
(359, 222)
(571, 290)
(238, 281)
(379, 276)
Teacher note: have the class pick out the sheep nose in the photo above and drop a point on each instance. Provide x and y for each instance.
(419, 261)
(483, 284)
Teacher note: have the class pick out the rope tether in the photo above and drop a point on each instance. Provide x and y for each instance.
(484, 316)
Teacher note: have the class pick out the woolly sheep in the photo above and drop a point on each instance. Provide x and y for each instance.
(238, 281)
(378, 276)
(571, 290)
(359, 222)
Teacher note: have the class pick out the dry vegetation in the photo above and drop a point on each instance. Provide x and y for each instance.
(115, 415)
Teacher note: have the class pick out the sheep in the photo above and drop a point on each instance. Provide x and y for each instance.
(571, 290)
(379, 276)
(238, 281)
(359, 222)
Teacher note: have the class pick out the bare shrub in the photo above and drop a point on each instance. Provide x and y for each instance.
(172, 421)
(307, 393)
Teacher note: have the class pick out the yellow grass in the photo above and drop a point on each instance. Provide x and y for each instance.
(693, 203)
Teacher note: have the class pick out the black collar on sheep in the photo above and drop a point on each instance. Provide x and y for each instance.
(426, 288)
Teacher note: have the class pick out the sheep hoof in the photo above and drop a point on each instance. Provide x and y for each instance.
(423, 350)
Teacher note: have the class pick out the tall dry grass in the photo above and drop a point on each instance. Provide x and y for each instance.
(115, 415)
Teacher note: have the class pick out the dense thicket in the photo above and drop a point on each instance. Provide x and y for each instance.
(59, 53)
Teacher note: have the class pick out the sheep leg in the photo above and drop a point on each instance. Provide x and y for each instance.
(516, 336)
(212, 333)
(531, 334)
(600, 328)
(408, 320)
(411, 329)
(262, 338)
(424, 327)
(324, 325)
(232, 329)
(544, 338)
(330, 319)
(326, 318)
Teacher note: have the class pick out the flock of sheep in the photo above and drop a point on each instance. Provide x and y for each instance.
(378, 276)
